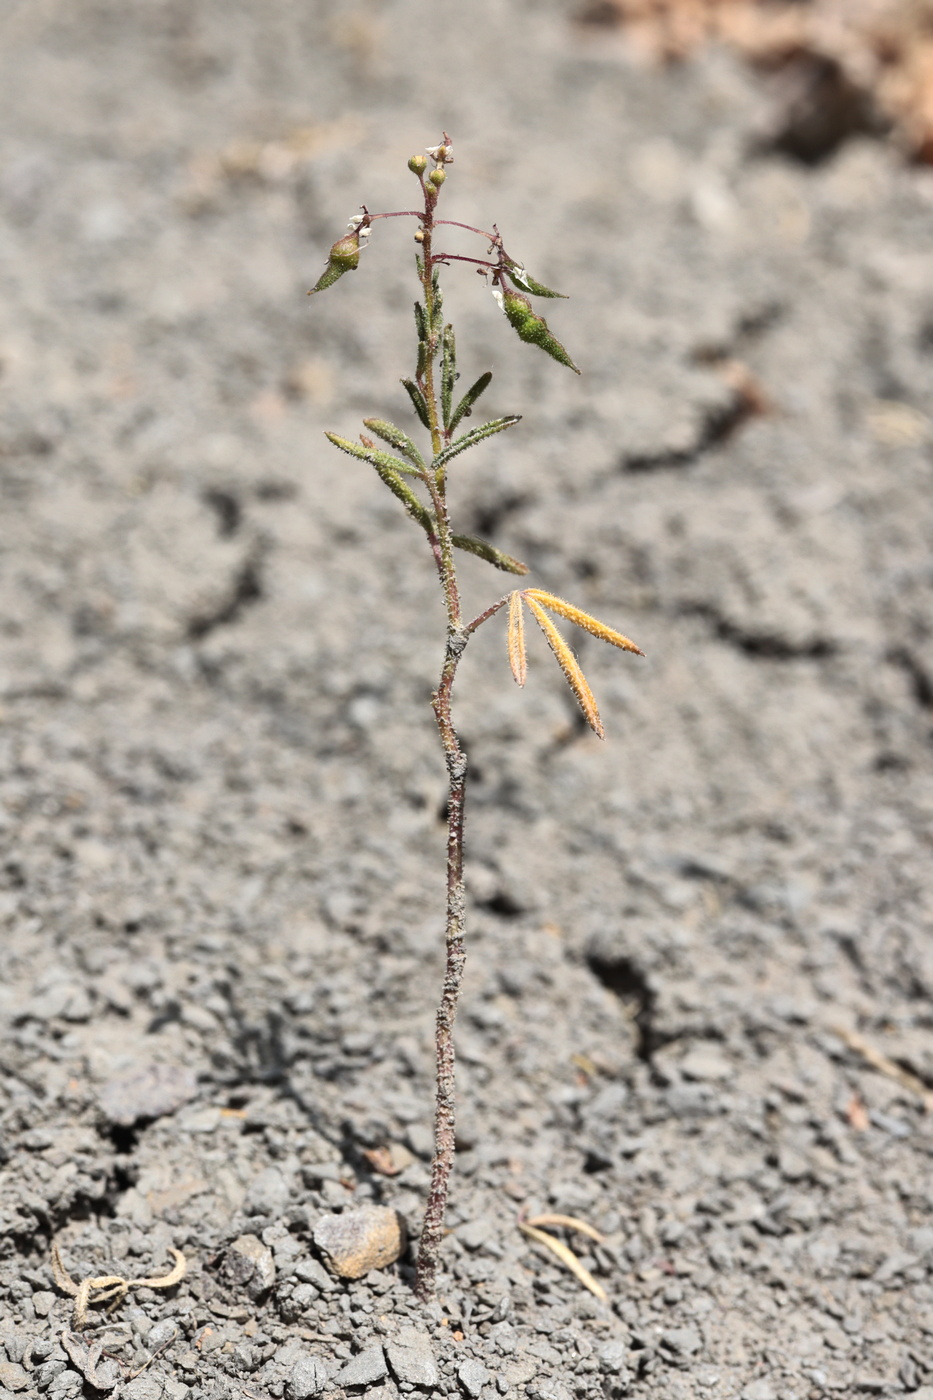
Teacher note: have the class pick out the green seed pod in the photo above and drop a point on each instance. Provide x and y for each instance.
(438, 176)
(532, 328)
(344, 257)
(418, 165)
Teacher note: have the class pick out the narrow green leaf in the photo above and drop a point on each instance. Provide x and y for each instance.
(437, 319)
(395, 438)
(465, 406)
(448, 373)
(421, 322)
(388, 468)
(528, 284)
(418, 401)
(372, 455)
(474, 436)
(533, 328)
(489, 552)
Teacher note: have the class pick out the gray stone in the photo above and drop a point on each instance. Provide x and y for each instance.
(313, 1271)
(551, 1390)
(475, 1233)
(412, 1360)
(612, 1357)
(146, 1387)
(365, 1369)
(472, 1376)
(163, 1332)
(148, 1091)
(759, 1390)
(268, 1194)
(248, 1264)
(706, 1062)
(47, 1372)
(12, 1376)
(682, 1341)
(307, 1377)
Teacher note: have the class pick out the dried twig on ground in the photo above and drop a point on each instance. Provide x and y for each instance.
(110, 1288)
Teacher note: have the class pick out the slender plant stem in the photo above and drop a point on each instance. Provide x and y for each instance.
(432, 1232)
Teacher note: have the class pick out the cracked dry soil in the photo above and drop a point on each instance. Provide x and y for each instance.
(220, 787)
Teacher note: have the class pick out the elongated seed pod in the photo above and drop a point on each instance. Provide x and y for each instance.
(533, 328)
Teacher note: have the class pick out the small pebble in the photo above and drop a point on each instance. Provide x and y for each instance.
(473, 1376)
(365, 1369)
(412, 1360)
(249, 1264)
(307, 1377)
(148, 1091)
(359, 1240)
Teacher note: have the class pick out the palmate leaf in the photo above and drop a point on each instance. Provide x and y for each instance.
(487, 551)
(465, 406)
(474, 436)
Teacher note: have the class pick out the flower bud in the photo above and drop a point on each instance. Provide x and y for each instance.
(418, 165)
(438, 176)
(344, 257)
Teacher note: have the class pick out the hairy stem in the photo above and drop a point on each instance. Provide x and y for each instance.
(432, 1232)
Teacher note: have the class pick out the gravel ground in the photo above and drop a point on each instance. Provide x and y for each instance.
(220, 788)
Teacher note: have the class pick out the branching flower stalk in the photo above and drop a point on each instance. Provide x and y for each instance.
(404, 470)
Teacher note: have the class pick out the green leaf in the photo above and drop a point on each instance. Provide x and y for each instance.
(528, 284)
(489, 552)
(373, 456)
(389, 474)
(396, 438)
(421, 322)
(531, 328)
(448, 372)
(343, 257)
(474, 436)
(465, 406)
(418, 401)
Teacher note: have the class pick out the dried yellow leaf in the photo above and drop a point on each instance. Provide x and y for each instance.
(568, 664)
(566, 1256)
(517, 657)
(569, 1222)
(582, 619)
